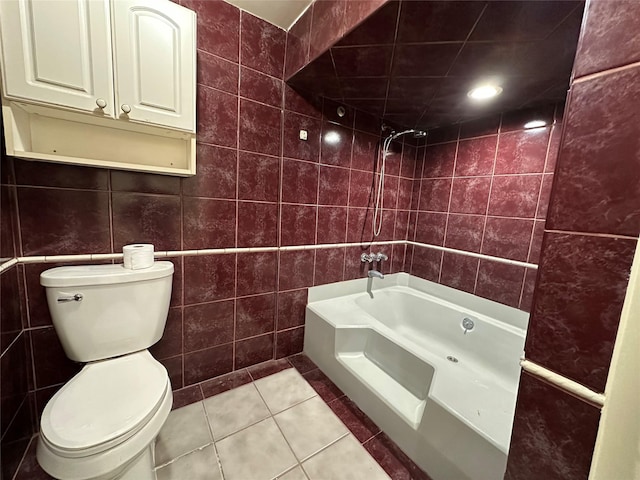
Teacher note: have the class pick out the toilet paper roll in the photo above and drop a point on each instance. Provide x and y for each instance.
(138, 256)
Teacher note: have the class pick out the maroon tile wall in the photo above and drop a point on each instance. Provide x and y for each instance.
(587, 248)
(16, 420)
(588, 245)
(554, 434)
(322, 25)
(600, 153)
(483, 190)
(257, 184)
(580, 291)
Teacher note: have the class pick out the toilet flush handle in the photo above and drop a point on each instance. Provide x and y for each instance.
(72, 298)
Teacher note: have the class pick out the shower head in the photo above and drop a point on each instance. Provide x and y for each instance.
(416, 134)
(379, 201)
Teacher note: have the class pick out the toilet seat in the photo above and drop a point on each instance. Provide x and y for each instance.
(105, 404)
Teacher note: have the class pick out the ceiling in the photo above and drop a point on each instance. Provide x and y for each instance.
(413, 62)
(282, 13)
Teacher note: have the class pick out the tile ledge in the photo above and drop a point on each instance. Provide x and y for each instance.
(563, 383)
(234, 250)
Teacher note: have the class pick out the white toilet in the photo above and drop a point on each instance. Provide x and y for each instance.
(103, 423)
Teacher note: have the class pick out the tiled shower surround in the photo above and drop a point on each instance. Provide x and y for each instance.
(484, 187)
(259, 185)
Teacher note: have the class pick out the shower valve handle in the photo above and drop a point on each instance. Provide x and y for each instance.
(367, 257)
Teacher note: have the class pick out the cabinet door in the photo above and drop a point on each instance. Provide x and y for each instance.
(58, 52)
(155, 59)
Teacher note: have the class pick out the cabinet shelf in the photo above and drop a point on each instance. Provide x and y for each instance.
(34, 132)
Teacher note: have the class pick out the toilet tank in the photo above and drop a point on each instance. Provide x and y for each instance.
(103, 311)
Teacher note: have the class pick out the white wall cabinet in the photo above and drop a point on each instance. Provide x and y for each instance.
(91, 65)
(154, 54)
(58, 53)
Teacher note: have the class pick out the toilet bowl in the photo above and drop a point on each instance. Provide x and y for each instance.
(105, 418)
(102, 424)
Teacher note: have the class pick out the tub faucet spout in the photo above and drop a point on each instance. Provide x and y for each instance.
(375, 274)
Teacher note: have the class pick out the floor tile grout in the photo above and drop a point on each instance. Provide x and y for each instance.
(372, 437)
(243, 428)
(346, 434)
(272, 415)
(289, 407)
(290, 470)
(280, 429)
(24, 455)
(213, 438)
(182, 455)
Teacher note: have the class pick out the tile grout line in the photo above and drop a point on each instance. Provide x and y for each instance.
(317, 395)
(271, 415)
(298, 463)
(393, 51)
(448, 213)
(604, 73)
(237, 204)
(346, 226)
(372, 437)
(11, 344)
(544, 168)
(182, 276)
(553, 126)
(415, 220)
(182, 455)
(333, 442)
(213, 438)
(112, 232)
(283, 102)
(16, 210)
(15, 415)
(24, 456)
(592, 234)
(524, 281)
(477, 215)
(317, 200)
(486, 212)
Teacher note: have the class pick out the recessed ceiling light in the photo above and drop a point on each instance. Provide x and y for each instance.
(535, 124)
(484, 92)
(332, 137)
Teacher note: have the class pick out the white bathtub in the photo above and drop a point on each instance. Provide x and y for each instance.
(397, 348)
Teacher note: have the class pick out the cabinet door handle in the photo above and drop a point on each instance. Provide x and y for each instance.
(101, 103)
(125, 108)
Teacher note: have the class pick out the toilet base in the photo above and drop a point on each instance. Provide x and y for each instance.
(141, 468)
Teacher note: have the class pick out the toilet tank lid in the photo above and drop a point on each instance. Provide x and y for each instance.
(85, 275)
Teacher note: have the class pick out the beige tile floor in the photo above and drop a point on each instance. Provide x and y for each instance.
(190, 446)
(274, 428)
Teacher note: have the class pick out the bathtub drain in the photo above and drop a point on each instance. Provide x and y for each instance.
(452, 359)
